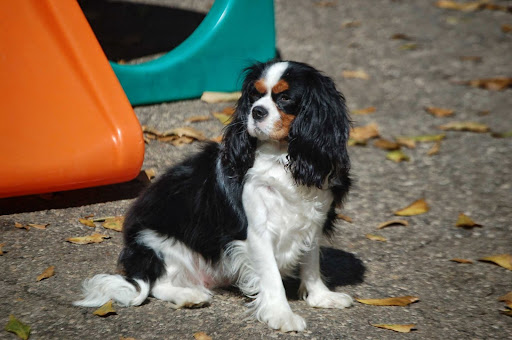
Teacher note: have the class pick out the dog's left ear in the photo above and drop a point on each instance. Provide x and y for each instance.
(318, 136)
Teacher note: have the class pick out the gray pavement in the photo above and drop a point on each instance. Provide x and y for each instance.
(472, 173)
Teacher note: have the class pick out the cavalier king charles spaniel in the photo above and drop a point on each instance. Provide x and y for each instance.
(248, 211)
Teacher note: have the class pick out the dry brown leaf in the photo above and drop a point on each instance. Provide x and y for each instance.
(94, 238)
(21, 226)
(202, 336)
(87, 222)
(507, 134)
(507, 311)
(149, 173)
(38, 226)
(416, 208)
(406, 141)
(105, 310)
(461, 6)
(151, 130)
(48, 272)
(401, 36)
(458, 260)
(507, 297)
(344, 218)
(366, 111)
(114, 223)
(223, 117)
(357, 74)
(434, 150)
(493, 84)
(506, 28)
(361, 134)
(217, 139)
(196, 119)
(409, 46)
(465, 126)
(464, 221)
(397, 328)
(385, 144)
(129, 338)
(219, 97)
(351, 24)
(376, 238)
(392, 222)
(439, 111)
(400, 301)
(397, 156)
(184, 132)
(1, 250)
(502, 260)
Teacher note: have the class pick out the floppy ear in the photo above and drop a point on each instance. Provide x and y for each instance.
(318, 136)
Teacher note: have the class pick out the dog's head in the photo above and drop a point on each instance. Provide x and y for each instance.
(291, 102)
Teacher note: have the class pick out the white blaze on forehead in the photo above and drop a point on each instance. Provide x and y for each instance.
(273, 74)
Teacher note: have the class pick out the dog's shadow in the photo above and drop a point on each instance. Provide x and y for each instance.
(338, 268)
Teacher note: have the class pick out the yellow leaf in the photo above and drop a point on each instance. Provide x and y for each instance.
(409, 46)
(493, 84)
(94, 238)
(416, 208)
(218, 97)
(48, 272)
(507, 134)
(1, 250)
(392, 222)
(17, 327)
(114, 223)
(385, 144)
(376, 238)
(196, 119)
(223, 117)
(424, 138)
(358, 74)
(406, 141)
(507, 297)
(202, 336)
(461, 6)
(397, 156)
(438, 111)
(344, 218)
(365, 111)
(363, 133)
(462, 261)
(507, 311)
(21, 226)
(465, 126)
(434, 150)
(397, 328)
(464, 221)
(87, 222)
(503, 260)
(400, 301)
(105, 310)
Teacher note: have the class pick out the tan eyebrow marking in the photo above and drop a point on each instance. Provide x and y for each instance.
(260, 86)
(282, 85)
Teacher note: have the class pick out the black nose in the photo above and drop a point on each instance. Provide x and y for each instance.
(259, 112)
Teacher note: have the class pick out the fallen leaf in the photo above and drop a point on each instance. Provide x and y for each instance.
(202, 336)
(507, 312)
(105, 310)
(87, 222)
(344, 218)
(366, 111)
(400, 301)
(401, 36)
(48, 272)
(465, 126)
(397, 328)
(146, 175)
(217, 139)
(434, 150)
(507, 134)
(410, 141)
(17, 327)
(351, 24)
(196, 119)
(464, 221)
(94, 238)
(507, 297)
(461, 6)
(361, 134)
(219, 97)
(151, 130)
(462, 261)
(397, 156)
(357, 74)
(21, 226)
(409, 46)
(493, 84)
(506, 28)
(392, 222)
(385, 144)
(406, 141)
(438, 111)
(376, 238)
(503, 260)
(1, 250)
(416, 208)
(184, 132)
(114, 223)
(223, 117)
(129, 338)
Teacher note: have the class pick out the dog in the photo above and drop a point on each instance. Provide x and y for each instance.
(248, 211)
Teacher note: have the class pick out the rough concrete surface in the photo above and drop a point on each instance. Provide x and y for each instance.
(472, 173)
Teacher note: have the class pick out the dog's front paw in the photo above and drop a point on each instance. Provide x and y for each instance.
(328, 299)
(286, 320)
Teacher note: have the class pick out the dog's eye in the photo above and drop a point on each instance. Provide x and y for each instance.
(284, 98)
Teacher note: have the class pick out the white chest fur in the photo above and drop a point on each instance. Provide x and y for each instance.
(291, 216)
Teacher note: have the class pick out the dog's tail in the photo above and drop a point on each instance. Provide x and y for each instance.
(104, 287)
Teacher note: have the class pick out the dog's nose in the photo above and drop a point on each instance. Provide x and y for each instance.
(259, 112)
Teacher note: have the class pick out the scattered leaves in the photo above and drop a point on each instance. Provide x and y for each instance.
(416, 208)
(176, 136)
(87, 222)
(410, 141)
(17, 327)
(465, 222)
(392, 222)
(400, 301)
(376, 238)
(219, 97)
(507, 297)
(458, 260)
(493, 84)
(202, 336)
(465, 126)
(344, 218)
(184, 132)
(366, 111)
(31, 225)
(114, 223)
(357, 74)
(361, 134)
(397, 328)
(48, 272)
(439, 111)
(105, 310)
(196, 119)
(434, 150)
(503, 260)
(94, 238)
(397, 156)
(1, 250)
(385, 144)
(225, 116)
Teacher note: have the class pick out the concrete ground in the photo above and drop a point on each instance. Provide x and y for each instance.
(472, 173)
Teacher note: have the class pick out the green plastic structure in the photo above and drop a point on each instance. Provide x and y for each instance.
(234, 34)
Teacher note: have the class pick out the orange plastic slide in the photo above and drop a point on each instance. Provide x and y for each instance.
(65, 122)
